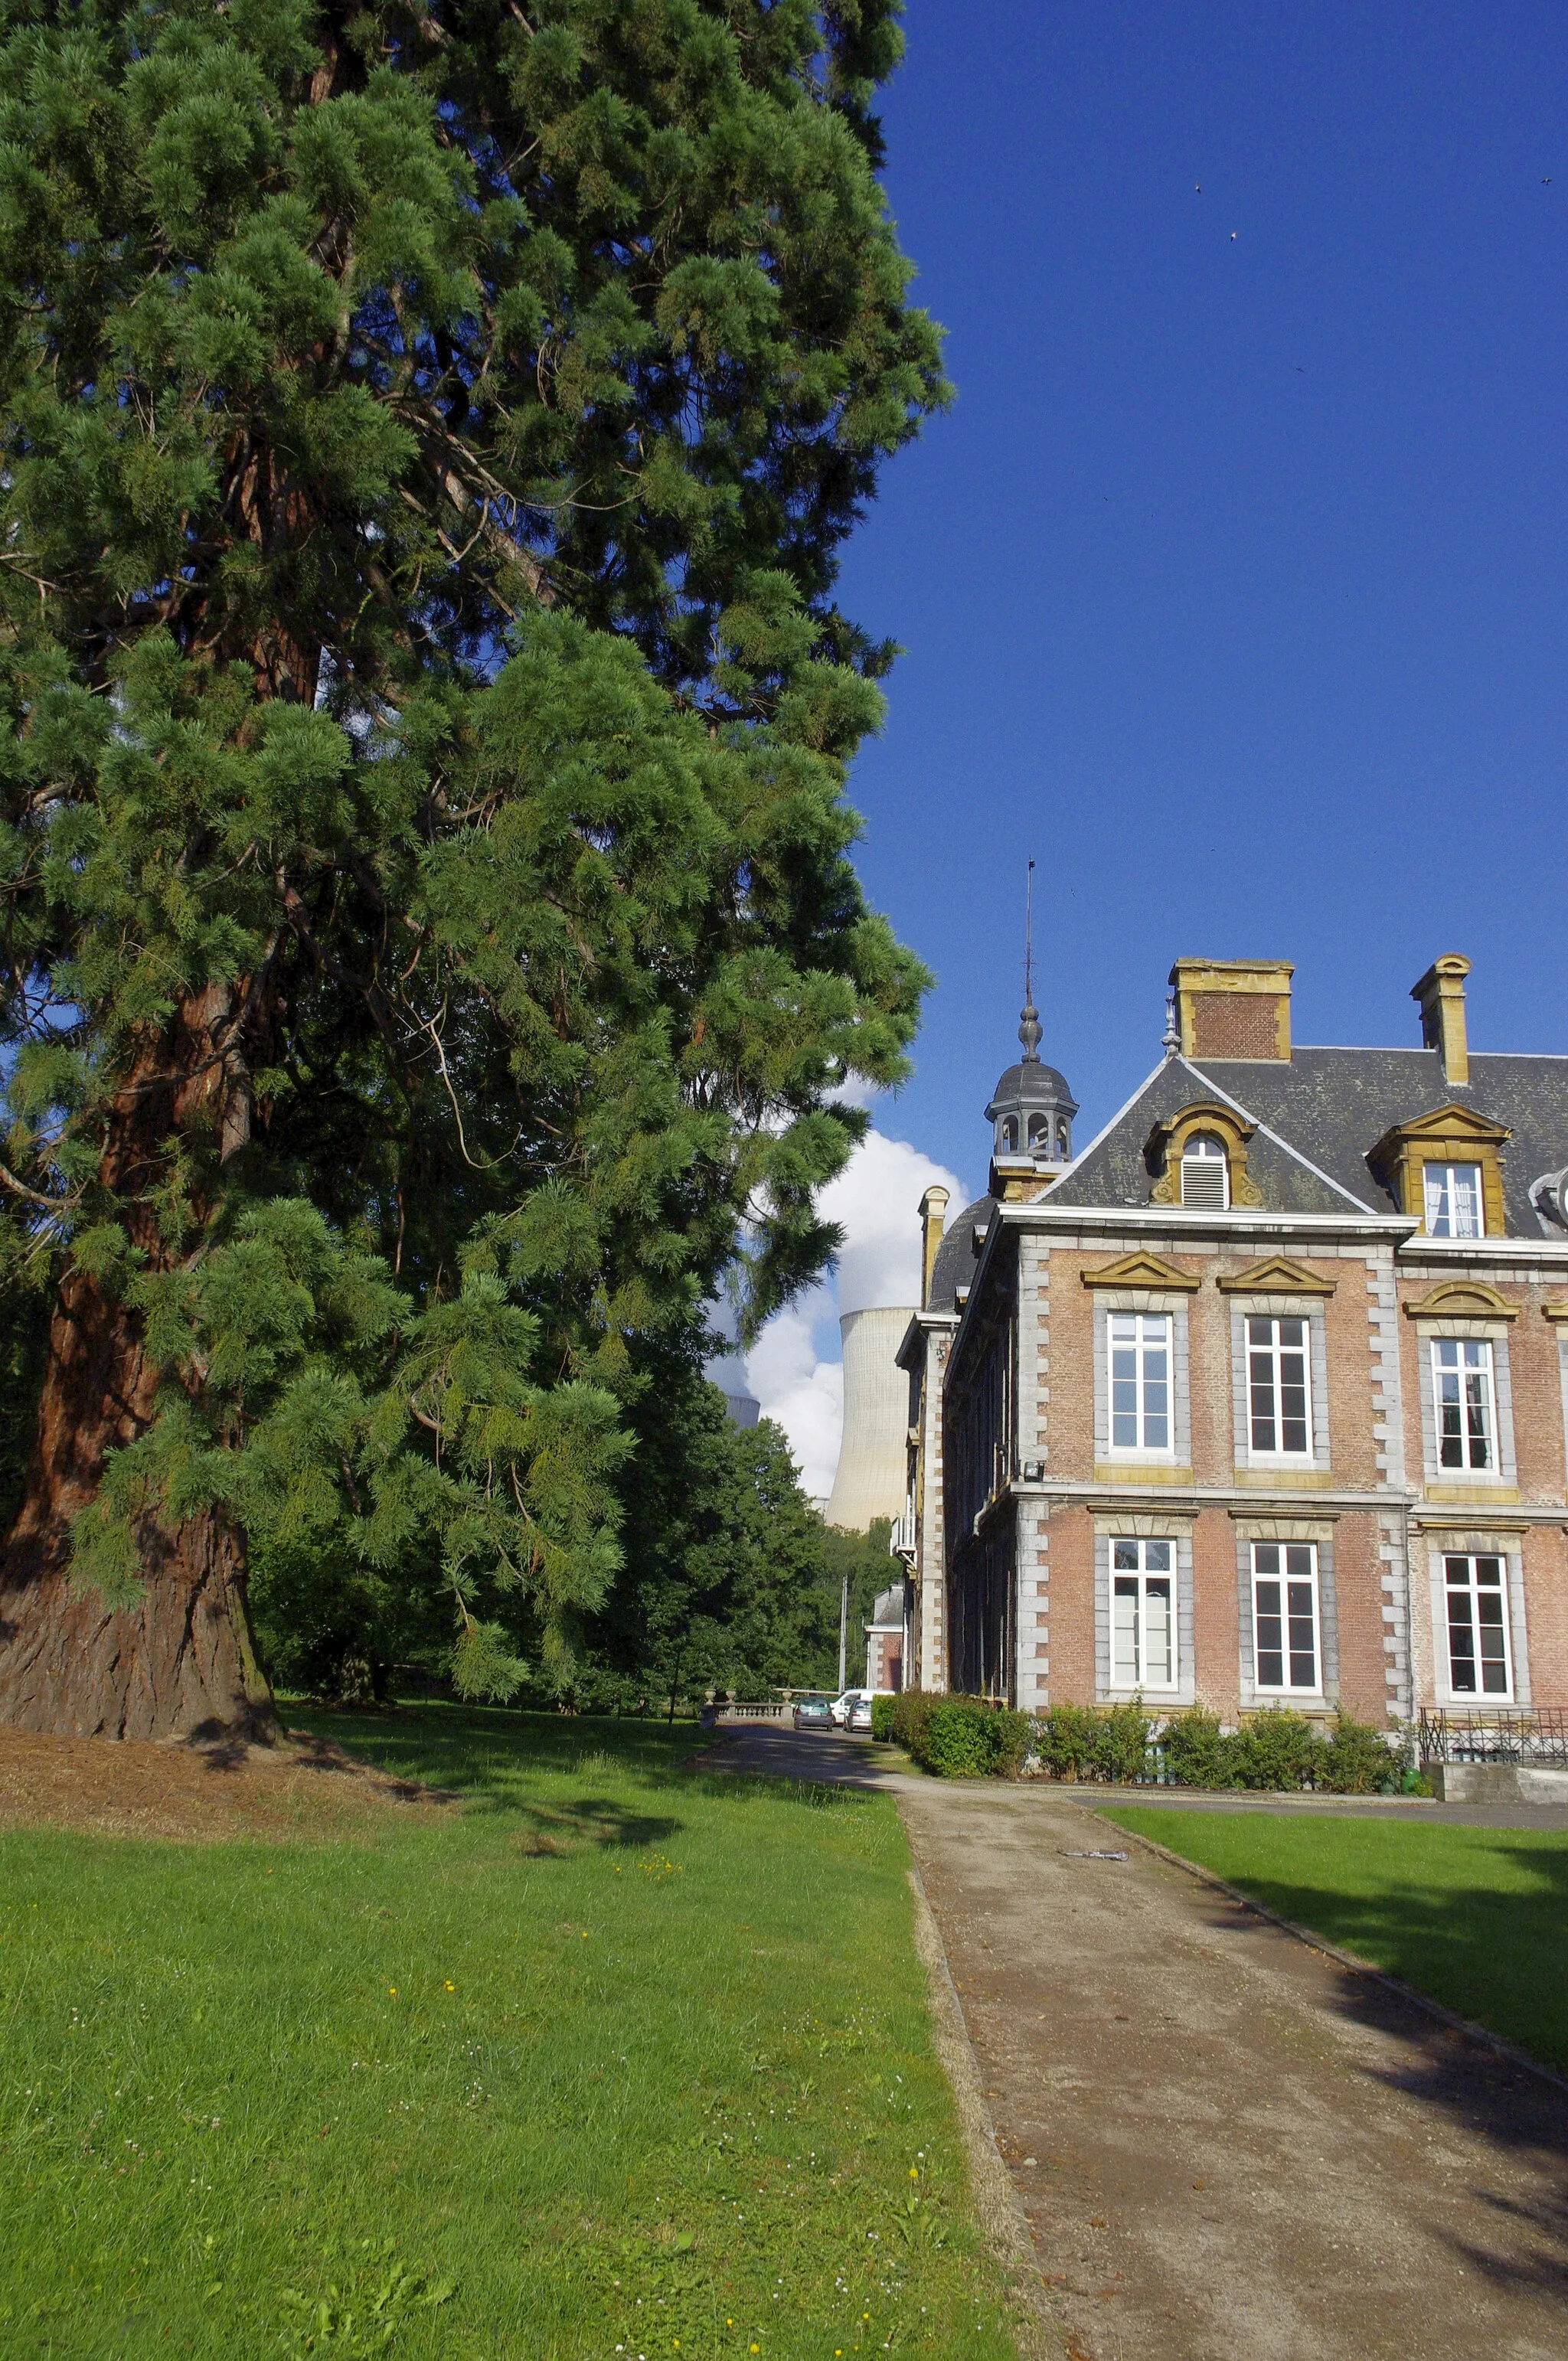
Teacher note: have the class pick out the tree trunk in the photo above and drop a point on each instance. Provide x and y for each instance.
(181, 1663)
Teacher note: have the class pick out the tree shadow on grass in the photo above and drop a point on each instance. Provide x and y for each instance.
(493, 1757)
(558, 1831)
(1496, 1954)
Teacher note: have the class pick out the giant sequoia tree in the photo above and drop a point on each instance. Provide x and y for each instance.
(429, 945)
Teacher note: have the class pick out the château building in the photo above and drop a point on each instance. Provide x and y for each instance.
(1261, 1395)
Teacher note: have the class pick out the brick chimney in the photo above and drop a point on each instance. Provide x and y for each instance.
(1441, 996)
(1232, 1008)
(933, 1217)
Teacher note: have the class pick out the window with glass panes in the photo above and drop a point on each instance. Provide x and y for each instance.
(1479, 1659)
(1280, 1390)
(1142, 1614)
(1140, 1380)
(1452, 1193)
(1465, 1398)
(1286, 1649)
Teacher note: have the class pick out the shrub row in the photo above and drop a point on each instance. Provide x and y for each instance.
(958, 1737)
(966, 1737)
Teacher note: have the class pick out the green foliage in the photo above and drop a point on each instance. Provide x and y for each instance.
(425, 453)
(1277, 1748)
(1196, 1752)
(1359, 1760)
(912, 1710)
(724, 1582)
(1085, 1742)
(967, 1737)
(303, 1389)
(882, 1717)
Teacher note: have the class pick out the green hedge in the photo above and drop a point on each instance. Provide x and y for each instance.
(960, 1737)
(1277, 1749)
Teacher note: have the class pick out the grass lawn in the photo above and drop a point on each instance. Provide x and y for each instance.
(1477, 1917)
(615, 2060)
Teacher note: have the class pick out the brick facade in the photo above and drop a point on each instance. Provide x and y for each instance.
(1356, 1531)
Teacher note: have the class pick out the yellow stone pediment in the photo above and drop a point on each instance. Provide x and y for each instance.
(1276, 1275)
(1463, 1299)
(1141, 1270)
(1450, 1122)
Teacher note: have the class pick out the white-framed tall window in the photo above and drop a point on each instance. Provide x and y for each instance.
(1142, 1614)
(1278, 1387)
(1140, 1357)
(1205, 1174)
(1464, 1403)
(1453, 1200)
(1287, 1636)
(1480, 1658)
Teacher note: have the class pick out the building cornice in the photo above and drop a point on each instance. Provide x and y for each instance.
(1188, 1499)
(1181, 1221)
(923, 1324)
(1441, 1254)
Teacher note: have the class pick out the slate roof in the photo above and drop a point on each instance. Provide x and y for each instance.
(954, 1266)
(1328, 1108)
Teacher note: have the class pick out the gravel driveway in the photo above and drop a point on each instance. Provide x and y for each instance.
(1228, 2146)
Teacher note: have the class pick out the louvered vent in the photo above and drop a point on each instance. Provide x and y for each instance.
(1203, 1175)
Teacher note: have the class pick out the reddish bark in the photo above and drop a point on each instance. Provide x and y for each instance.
(181, 1663)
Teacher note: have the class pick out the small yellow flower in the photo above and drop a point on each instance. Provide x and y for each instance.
(584, 1934)
(451, 1987)
(393, 1989)
(914, 2172)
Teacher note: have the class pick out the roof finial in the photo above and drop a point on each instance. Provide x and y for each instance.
(1170, 1039)
(1029, 1015)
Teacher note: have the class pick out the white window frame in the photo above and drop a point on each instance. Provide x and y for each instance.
(1139, 1574)
(1138, 1345)
(1469, 1588)
(1286, 1576)
(1258, 1454)
(1443, 1194)
(1195, 1151)
(1463, 1402)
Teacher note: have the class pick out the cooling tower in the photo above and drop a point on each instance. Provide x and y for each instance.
(869, 1480)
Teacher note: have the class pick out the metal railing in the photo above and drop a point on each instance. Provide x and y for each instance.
(1501, 1734)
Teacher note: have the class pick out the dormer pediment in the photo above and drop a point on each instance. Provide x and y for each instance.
(1141, 1270)
(1444, 1124)
(1276, 1275)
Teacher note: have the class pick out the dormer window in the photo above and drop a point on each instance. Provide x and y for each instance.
(1453, 1200)
(1205, 1175)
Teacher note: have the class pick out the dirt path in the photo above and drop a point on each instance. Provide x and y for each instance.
(1230, 2148)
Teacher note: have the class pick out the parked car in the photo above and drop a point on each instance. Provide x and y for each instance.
(858, 1716)
(813, 1713)
(842, 1704)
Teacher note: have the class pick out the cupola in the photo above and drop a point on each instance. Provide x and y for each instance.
(1031, 1112)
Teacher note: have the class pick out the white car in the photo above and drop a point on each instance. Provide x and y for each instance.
(842, 1704)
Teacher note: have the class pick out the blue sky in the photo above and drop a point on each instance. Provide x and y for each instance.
(1234, 586)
